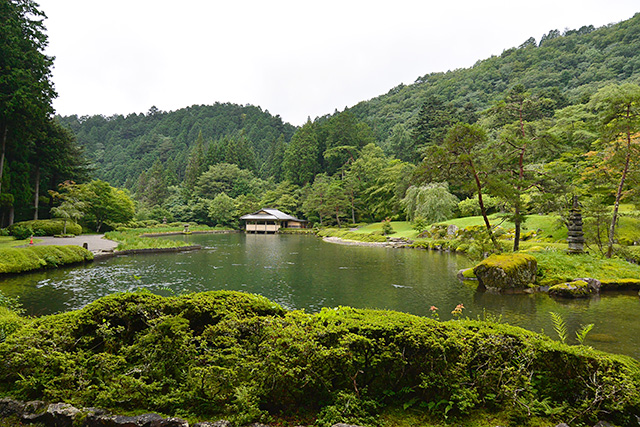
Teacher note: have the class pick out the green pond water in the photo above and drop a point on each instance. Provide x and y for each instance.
(303, 272)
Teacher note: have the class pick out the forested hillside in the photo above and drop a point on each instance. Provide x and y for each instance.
(565, 67)
(121, 148)
(571, 65)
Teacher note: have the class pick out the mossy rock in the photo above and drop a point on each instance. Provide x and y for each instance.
(467, 274)
(575, 289)
(511, 271)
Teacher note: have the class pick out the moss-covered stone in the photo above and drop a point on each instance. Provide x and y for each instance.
(467, 274)
(512, 271)
(575, 289)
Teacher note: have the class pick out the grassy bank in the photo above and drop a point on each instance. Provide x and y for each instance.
(134, 238)
(18, 260)
(346, 234)
(557, 267)
(244, 358)
(401, 229)
(10, 242)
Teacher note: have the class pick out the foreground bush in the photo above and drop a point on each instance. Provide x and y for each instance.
(10, 316)
(234, 355)
(18, 260)
(48, 227)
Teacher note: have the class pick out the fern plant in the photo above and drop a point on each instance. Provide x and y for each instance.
(581, 333)
(559, 326)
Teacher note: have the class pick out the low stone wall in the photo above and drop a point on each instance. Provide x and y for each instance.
(65, 415)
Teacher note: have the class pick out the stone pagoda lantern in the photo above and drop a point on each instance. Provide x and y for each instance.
(575, 237)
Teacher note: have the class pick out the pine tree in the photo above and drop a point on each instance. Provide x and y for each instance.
(195, 164)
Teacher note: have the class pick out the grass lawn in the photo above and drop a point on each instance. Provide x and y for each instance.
(10, 242)
(131, 238)
(557, 267)
(401, 228)
(547, 223)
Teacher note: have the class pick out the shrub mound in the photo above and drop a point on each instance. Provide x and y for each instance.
(48, 227)
(18, 260)
(243, 357)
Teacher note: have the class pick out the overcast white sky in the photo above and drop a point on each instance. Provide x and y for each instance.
(295, 58)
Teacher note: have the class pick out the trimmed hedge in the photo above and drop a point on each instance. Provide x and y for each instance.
(18, 260)
(243, 357)
(49, 227)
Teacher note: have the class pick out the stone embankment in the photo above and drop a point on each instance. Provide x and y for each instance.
(65, 415)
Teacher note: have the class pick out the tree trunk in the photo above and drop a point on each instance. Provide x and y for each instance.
(517, 219)
(517, 222)
(36, 196)
(12, 213)
(616, 205)
(4, 146)
(483, 210)
(353, 210)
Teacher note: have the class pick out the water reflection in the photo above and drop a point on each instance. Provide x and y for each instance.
(302, 272)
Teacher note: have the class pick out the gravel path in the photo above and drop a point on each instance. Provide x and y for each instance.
(96, 242)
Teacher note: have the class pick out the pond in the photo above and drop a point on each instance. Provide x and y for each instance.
(303, 272)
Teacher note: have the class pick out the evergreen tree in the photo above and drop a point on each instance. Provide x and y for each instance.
(345, 137)
(195, 164)
(301, 156)
(26, 90)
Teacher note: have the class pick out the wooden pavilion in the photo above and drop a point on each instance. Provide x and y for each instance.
(268, 220)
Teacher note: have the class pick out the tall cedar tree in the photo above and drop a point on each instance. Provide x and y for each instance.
(515, 113)
(301, 156)
(195, 164)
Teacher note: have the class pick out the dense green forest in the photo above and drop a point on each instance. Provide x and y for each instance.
(568, 67)
(120, 148)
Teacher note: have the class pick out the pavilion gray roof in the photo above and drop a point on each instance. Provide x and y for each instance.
(270, 215)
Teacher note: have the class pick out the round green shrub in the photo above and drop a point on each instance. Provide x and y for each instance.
(50, 227)
(21, 232)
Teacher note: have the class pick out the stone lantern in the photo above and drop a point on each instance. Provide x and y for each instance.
(575, 237)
